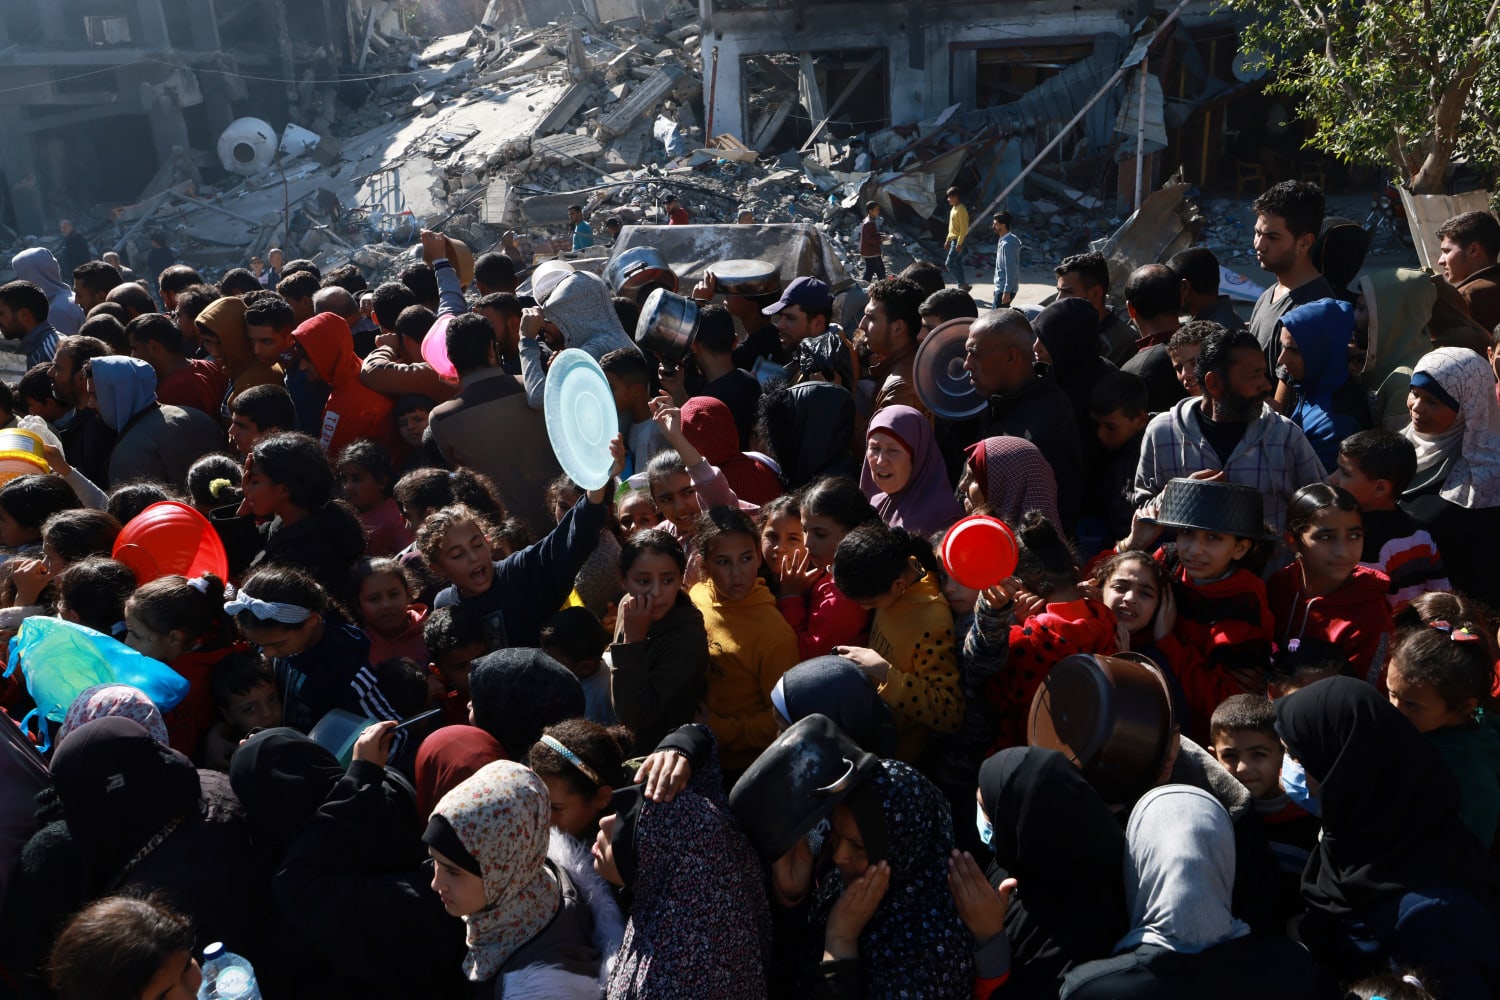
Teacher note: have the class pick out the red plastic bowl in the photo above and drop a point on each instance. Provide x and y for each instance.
(979, 551)
(171, 537)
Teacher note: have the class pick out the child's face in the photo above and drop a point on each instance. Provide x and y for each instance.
(243, 433)
(1371, 493)
(572, 813)
(361, 490)
(733, 562)
(54, 562)
(412, 425)
(258, 708)
(466, 560)
(276, 640)
(1422, 704)
(13, 534)
(675, 497)
(1183, 359)
(823, 537)
(460, 891)
(1114, 429)
(636, 512)
(654, 575)
(263, 498)
(1429, 415)
(383, 600)
(1208, 555)
(627, 395)
(780, 536)
(889, 463)
(165, 647)
(454, 665)
(1331, 546)
(1131, 592)
(1253, 758)
(960, 598)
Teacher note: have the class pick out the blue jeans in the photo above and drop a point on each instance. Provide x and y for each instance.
(954, 262)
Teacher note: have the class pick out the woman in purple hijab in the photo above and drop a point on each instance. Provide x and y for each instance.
(903, 474)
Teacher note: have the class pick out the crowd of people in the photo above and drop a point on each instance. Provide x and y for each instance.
(727, 727)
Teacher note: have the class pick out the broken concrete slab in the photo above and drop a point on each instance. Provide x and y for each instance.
(645, 97)
(564, 147)
(570, 104)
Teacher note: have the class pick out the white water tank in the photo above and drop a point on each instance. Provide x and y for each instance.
(247, 147)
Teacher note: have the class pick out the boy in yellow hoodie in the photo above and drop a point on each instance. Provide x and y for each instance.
(750, 644)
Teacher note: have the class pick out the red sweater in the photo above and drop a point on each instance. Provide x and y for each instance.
(1036, 646)
(824, 618)
(1220, 626)
(1356, 617)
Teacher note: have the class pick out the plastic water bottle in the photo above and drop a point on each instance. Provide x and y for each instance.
(226, 976)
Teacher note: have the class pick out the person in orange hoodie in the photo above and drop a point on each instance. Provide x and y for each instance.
(1326, 594)
(225, 336)
(353, 410)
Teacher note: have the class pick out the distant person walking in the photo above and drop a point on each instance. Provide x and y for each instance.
(958, 232)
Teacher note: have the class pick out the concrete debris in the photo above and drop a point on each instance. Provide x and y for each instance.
(503, 126)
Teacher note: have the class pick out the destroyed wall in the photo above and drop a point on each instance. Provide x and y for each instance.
(935, 53)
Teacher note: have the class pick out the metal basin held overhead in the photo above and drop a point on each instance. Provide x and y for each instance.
(667, 326)
(636, 268)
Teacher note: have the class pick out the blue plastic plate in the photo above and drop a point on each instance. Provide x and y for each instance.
(581, 417)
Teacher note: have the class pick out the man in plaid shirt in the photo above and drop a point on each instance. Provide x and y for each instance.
(1229, 430)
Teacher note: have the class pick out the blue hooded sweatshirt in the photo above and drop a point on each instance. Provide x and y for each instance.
(1330, 404)
(124, 387)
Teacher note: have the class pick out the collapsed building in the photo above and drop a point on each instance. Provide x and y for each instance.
(339, 127)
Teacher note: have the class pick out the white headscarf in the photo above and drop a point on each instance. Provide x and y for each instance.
(1179, 872)
(1473, 441)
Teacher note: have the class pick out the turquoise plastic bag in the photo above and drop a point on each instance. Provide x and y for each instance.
(59, 659)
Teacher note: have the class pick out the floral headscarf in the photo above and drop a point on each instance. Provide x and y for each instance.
(1473, 443)
(915, 945)
(501, 817)
(118, 700)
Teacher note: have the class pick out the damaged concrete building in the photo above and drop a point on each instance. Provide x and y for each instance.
(1016, 72)
(142, 84)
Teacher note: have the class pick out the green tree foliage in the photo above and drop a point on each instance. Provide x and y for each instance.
(1410, 83)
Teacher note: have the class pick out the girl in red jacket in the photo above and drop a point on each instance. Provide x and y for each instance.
(822, 615)
(1326, 593)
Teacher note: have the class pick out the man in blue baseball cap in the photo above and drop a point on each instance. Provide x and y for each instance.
(804, 319)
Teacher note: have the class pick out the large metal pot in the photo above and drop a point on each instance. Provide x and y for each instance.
(746, 277)
(1112, 715)
(667, 326)
(637, 267)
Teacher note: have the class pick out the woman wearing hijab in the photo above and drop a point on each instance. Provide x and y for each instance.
(1455, 428)
(136, 817)
(448, 757)
(516, 693)
(904, 476)
(1393, 311)
(1067, 340)
(893, 829)
(1007, 476)
(119, 700)
(1054, 835)
(539, 923)
(807, 429)
(699, 923)
(356, 852)
(1183, 940)
(835, 686)
(1396, 877)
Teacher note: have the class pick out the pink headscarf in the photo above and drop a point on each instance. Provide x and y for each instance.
(119, 700)
(926, 503)
(1015, 478)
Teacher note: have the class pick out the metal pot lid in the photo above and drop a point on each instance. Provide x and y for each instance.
(938, 369)
(753, 277)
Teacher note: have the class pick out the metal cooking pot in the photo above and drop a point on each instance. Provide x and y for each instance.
(1111, 715)
(746, 277)
(667, 326)
(637, 267)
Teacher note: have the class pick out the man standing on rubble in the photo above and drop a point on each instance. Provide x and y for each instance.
(75, 248)
(676, 214)
(869, 243)
(583, 233)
